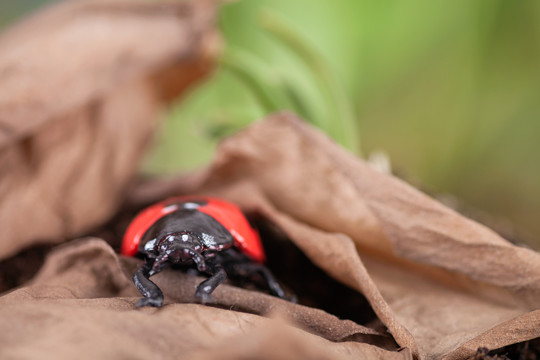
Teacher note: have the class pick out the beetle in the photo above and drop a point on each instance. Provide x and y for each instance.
(209, 233)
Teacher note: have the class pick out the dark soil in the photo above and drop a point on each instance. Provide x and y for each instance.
(528, 350)
(20, 268)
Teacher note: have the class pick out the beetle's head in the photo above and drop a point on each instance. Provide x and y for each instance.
(176, 248)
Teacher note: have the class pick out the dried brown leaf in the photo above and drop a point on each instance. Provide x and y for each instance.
(82, 86)
(442, 284)
(81, 305)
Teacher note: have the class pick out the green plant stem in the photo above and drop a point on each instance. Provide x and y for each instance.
(344, 128)
(246, 72)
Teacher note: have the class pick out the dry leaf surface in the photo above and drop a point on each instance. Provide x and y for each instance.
(82, 86)
(81, 305)
(442, 284)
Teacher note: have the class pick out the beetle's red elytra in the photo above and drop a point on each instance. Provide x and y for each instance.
(210, 233)
(227, 214)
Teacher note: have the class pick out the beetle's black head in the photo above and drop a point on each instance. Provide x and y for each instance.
(176, 248)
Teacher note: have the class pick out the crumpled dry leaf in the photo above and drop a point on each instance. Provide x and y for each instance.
(442, 284)
(82, 305)
(82, 85)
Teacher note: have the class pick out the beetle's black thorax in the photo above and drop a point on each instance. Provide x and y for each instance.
(204, 230)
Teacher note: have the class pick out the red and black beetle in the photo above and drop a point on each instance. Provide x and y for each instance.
(211, 233)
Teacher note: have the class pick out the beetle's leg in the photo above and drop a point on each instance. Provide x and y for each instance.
(218, 275)
(151, 292)
(250, 268)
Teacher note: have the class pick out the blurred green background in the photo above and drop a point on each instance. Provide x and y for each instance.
(449, 90)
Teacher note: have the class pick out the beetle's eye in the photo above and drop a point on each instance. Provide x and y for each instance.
(150, 246)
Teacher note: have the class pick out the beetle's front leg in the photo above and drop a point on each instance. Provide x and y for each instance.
(151, 292)
(218, 275)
